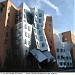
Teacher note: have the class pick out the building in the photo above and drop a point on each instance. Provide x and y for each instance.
(63, 52)
(68, 36)
(49, 34)
(29, 34)
(6, 24)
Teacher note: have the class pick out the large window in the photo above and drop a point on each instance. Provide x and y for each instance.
(28, 42)
(24, 16)
(66, 57)
(41, 38)
(64, 63)
(25, 41)
(49, 25)
(20, 25)
(25, 33)
(68, 64)
(49, 20)
(40, 14)
(62, 57)
(43, 44)
(38, 26)
(61, 50)
(58, 57)
(57, 50)
(25, 26)
(29, 35)
(40, 20)
(29, 28)
(50, 41)
(40, 32)
(61, 63)
(50, 47)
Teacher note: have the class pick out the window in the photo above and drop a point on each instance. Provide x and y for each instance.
(40, 20)
(40, 32)
(29, 28)
(1, 8)
(25, 26)
(64, 63)
(61, 50)
(20, 25)
(58, 57)
(43, 45)
(66, 57)
(70, 64)
(49, 25)
(25, 41)
(29, 35)
(25, 33)
(50, 31)
(6, 34)
(61, 63)
(19, 33)
(8, 14)
(67, 64)
(64, 50)
(40, 14)
(24, 16)
(41, 38)
(50, 41)
(24, 10)
(38, 26)
(57, 50)
(61, 57)
(28, 42)
(50, 36)
(36, 36)
(70, 57)
(50, 47)
(18, 41)
(49, 20)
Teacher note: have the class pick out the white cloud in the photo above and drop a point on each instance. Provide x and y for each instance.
(52, 6)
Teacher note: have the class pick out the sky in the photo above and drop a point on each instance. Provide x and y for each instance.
(62, 12)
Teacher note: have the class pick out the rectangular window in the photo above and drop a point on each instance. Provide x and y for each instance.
(24, 16)
(43, 44)
(49, 20)
(50, 41)
(25, 33)
(25, 41)
(20, 25)
(41, 38)
(50, 31)
(40, 20)
(29, 35)
(29, 28)
(61, 63)
(28, 42)
(49, 25)
(50, 36)
(25, 26)
(38, 26)
(40, 14)
(57, 50)
(50, 47)
(61, 50)
(40, 32)
(8, 14)
(24, 10)
(58, 57)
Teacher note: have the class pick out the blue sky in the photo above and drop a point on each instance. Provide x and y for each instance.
(62, 11)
